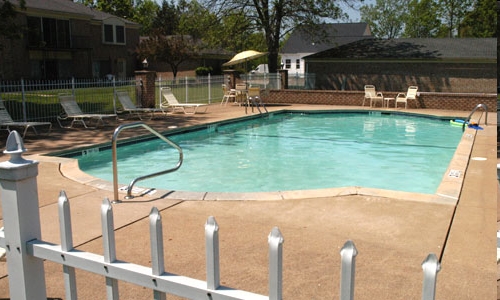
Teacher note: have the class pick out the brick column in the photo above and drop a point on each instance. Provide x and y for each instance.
(284, 79)
(230, 78)
(146, 88)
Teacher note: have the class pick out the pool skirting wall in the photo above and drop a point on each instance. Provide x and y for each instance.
(446, 101)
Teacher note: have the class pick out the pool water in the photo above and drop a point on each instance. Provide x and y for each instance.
(293, 151)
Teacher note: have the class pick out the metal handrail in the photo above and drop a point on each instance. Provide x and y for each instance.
(256, 104)
(485, 107)
(133, 182)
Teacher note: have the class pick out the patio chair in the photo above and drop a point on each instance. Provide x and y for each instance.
(411, 94)
(73, 112)
(130, 107)
(241, 92)
(372, 95)
(6, 122)
(170, 102)
(228, 94)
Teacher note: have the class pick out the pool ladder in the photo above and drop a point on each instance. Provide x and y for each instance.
(484, 107)
(133, 182)
(256, 102)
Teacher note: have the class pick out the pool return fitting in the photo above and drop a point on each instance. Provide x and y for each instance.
(133, 182)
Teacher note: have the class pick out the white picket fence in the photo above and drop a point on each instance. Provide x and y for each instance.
(25, 251)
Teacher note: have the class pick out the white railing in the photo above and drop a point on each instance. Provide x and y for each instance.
(37, 100)
(25, 251)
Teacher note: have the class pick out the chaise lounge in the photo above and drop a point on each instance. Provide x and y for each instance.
(6, 122)
(129, 106)
(73, 112)
(170, 102)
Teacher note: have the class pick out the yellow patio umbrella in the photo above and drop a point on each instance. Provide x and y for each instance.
(243, 57)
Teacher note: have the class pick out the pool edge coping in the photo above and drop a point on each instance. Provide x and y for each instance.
(448, 191)
(69, 169)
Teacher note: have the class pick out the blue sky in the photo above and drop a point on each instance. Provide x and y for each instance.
(354, 13)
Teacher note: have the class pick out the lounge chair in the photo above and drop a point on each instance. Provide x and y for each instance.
(130, 107)
(372, 95)
(170, 102)
(6, 122)
(72, 111)
(411, 94)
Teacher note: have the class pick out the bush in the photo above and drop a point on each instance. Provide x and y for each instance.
(203, 71)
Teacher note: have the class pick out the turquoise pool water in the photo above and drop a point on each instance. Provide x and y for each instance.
(293, 151)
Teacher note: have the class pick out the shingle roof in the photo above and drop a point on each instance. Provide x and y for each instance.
(336, 34)
(426, 48)
(67, 7)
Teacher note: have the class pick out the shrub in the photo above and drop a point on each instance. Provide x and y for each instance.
(203, 71)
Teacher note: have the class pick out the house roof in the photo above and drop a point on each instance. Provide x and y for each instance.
(67, 7)
(336, 34)
(426, 48)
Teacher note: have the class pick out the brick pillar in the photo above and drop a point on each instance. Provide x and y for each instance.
(284, 79)
(230, 78)
(146, 86)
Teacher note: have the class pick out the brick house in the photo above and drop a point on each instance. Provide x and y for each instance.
(66, 39)
(301, 43)
(466, 65)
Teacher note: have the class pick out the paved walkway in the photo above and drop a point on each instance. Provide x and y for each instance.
(393, 236)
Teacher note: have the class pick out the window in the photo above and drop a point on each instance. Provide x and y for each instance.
(288, 63)
(297, 64)
(120, 34)
(113, 31)
(48, 32)
(108, 34)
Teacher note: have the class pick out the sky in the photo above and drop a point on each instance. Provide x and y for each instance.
(354, 15)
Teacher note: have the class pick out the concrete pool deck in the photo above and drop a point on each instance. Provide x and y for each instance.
(393, 235)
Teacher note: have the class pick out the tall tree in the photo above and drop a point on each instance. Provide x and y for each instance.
(195, 20)
(9, 28)
(167, 19)
(386, 17)
(145, 12)
(452, 13)
(422, 20)
(481, 21)
(119, 8)
(275, 18)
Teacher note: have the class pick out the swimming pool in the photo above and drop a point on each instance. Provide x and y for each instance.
(293, 151)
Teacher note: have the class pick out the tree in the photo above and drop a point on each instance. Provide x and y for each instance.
(8, 26)
(195, 20)
(453, 12)
(386, 18)
(167, 18)
(275, 18)
(481, 21)
(422, 20)
(145, 13)
(173, 49)
(119, 8)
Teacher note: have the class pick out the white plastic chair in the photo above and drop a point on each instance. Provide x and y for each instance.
(411, 94)
(372, 95)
